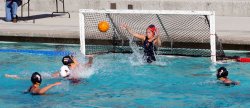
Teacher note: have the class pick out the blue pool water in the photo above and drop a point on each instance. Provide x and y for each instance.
(117, 81)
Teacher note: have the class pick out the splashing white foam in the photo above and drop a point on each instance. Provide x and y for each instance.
(64, 86)
(212, 67)
(137, 55)
(82, 72)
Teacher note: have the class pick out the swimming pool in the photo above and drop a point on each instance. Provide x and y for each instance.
(115, 80)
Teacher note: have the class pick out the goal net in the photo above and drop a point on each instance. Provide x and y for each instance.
(185, 33)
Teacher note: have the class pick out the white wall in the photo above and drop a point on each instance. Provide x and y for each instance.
(222, 7)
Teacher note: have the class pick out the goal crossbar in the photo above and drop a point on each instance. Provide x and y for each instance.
(149, 12)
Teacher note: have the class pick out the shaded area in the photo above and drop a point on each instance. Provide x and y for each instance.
(40, 16)
(40, 39)
(2, 18)
(34, 17)
(236, 47)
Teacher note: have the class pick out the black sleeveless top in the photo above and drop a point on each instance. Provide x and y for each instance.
(149, 51)
(29, 91)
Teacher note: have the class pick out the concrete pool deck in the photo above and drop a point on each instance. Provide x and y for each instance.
(233, 31)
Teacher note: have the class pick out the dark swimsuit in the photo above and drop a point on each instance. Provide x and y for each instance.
(29, 91)
(149, 50)
(228, 84)
(232, 83)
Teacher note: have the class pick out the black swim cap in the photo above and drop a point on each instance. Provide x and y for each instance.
(36, 78)
(67, 60)
(222, 72)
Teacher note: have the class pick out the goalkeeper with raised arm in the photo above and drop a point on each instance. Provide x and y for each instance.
(150, 41)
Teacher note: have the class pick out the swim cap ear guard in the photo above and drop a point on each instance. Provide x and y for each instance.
(67, 60)
(222, 72)
(36, 78)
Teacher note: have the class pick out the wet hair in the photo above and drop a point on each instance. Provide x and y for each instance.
(66, 60)
(36, 78)
(152, 28)
(222, 73)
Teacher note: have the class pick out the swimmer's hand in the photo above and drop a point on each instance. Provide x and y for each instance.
(157, 34)
(11, 76)
(90, 60)
(90, 56)
(236, 82)
(45, 89)
(124, 26)
(56, 74)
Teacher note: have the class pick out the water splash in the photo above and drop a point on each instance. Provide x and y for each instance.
(85, 72)
(160, 61)
(137, 55)
(212, 67)
(206, 82)
(46, 75)
(64, 86)
(82, 71)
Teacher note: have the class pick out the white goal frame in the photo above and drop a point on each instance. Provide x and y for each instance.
(211, 15)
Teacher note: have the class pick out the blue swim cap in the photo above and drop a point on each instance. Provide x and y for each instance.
(36, 78)
(67, 60)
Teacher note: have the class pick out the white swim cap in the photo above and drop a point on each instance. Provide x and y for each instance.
(65, 72)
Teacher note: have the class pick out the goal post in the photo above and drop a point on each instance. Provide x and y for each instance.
(212, 37)
(82, 34)
(187, 33)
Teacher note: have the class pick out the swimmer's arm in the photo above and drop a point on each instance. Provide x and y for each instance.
(90, 62)
(235, 83)
(45, 89)
(56, 74)
(156, 40)
(228, 82)
(139, 36)
(232, 83)
(12, 76)
(75, 60)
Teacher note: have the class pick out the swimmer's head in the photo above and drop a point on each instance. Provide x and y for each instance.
(67, 60)
(151, 28)
(222, 73)
(65, 72)
(36, 78)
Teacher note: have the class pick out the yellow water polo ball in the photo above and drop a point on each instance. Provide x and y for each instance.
(103, 26)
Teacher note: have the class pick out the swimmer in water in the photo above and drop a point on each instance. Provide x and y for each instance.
(36, 80)
(228, 58)
(150, 41)
(234, 59)
(69, 64)
(222, 74)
